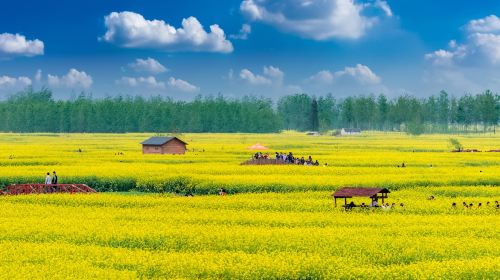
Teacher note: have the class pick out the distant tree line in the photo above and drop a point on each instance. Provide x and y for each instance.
(442, 113)
(37, 111)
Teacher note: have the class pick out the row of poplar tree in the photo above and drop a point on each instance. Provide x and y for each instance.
(38, 111)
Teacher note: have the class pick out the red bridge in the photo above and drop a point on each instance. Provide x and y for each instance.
(16, 189)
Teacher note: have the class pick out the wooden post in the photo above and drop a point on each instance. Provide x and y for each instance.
(335, 198)
(345, 201)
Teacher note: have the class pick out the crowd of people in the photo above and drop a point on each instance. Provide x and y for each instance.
(374, 204)
(466, 205)
(287, 158)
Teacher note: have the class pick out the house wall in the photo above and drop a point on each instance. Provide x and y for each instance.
(174, 147)
(147, 149)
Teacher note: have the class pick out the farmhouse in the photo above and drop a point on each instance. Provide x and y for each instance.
(164, 145)
(350, 131)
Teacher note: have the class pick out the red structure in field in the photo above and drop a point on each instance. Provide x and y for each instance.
(16, 189)
(350, 192)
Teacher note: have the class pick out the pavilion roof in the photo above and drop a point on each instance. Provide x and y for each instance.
(348, 192)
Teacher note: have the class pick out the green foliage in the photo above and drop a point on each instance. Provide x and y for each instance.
(37, 111)
(456, 144)
(415, 127)
(314, 115)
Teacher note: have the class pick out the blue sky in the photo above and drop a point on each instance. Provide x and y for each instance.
(259, 47)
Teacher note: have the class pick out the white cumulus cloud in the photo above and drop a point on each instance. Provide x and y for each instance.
(141, 82)
(488, 44)
(318, 20)
(274, 73)
(254, 79)
(73, 79)
(7, 82)
(182, 85)
(482, 44)
(12, 45)
(471, 65)
(322, 77)
(132, 30)
(489, 24)
(271, 75)
(148, 65)
(360, 73)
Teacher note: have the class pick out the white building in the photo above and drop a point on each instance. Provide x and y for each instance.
(350, 131)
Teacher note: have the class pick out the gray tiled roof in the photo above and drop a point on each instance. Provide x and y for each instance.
(158, 141)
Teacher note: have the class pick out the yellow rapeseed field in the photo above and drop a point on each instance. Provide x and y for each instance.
(213, 161)
(278, 222)
(250, 236)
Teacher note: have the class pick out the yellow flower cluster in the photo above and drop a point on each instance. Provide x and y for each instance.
(213, 160)
(284, 227)
(250, 236)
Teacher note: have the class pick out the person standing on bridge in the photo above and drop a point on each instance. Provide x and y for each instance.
(54, 178)
(48, 181)
(54, 181)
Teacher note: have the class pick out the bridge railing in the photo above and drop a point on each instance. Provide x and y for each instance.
(15, 189)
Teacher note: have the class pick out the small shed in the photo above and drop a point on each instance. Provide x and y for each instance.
(350, 131)
(350, 192)
(164, 145)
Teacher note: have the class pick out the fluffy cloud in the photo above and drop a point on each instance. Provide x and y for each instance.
(489, 24)
(360, 73)
(141, 82)
(12, 45)
(245, 30)
(482, 44)
(274, 73)
(73, 79)
(148, 65)
(471, 65)
(152, 83)
(182, 85)
(271, 75)
(132, 30)
(487, 44)
(254, 79)
(322, 77)
(318, 20)
(7, 82)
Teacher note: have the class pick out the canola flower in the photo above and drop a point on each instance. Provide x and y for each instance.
(282, 224)
(115, 161)
(250, 236)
